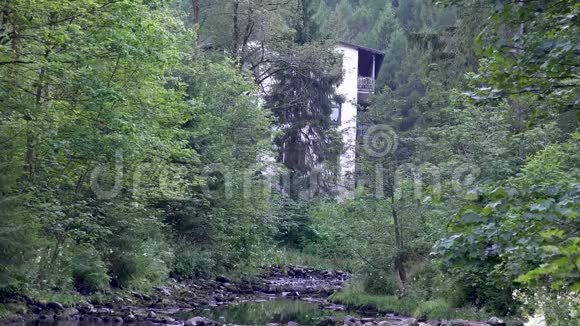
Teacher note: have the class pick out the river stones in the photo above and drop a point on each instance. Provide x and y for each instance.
(222, 279)
(409, 322)
(199, 321)
(494, 321)
(130, 318)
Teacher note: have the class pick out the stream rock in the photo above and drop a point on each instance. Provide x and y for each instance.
(198, 321)
(55, 306)
(494, 321)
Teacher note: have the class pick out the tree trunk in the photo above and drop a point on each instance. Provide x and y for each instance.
(195, 13)
(400, 255)
(236, 33)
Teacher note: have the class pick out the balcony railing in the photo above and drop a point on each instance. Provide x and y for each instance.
(366, 83)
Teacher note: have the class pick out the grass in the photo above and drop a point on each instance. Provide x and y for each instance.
(432, 309)
(65, 298)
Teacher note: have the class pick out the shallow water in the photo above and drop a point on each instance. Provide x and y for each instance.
(248, 313)
(261, 313)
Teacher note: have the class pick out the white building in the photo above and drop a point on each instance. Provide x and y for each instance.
(361, 66)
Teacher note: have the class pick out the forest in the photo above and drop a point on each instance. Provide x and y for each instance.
(156, 147)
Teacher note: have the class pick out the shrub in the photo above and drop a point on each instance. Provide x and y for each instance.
(190, 262)
(380, 282)
(88, 270)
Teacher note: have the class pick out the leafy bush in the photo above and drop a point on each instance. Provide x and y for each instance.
(380, 282)
(190, 262)
(431, 282)
(293, 222)
(520, 231)
(89, 272)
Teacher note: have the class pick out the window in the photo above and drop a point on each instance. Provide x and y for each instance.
(336, 112)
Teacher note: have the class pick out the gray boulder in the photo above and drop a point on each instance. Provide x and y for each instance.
(349, 320)
(55, 306)
(494, 321)
(130, 318)
(196, 321)
(410, 322)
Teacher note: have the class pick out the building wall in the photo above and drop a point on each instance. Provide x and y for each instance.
(348, 89)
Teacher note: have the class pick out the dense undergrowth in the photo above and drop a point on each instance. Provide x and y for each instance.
(133, 150)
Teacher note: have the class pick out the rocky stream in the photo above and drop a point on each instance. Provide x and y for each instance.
(289, 296)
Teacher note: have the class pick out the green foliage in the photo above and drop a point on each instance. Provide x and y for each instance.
(520, 231)
(89, 272)
(530, 48)
(293, 220)
(423, 309)
(108, 128)
(192, 262)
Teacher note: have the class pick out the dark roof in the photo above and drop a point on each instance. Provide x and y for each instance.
(360, 47)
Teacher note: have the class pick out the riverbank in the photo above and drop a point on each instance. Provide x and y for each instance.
(165, 304)
(190, 303)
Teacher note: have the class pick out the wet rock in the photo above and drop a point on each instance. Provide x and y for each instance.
(197, 321)
(349, 320)
(17, 319)
(231, 287)
(96, 320)
(222, 279)
(105, 311)
(69, 312)
(494, 321)
(55, 306)
(166, 302)
(410, 322)
(165, 292)
(130, 318)
(137, 295)
(292, 323)
(86, 308)
(384, 323)
(117, 320)
(151, 315)
(168, 320)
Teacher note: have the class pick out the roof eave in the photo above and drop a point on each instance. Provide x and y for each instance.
(360, 47)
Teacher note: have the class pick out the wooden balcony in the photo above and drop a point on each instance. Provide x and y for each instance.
(366, 88)
(366, 84)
